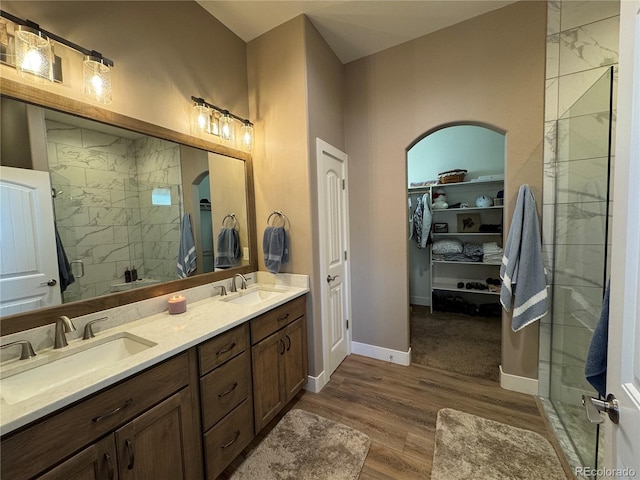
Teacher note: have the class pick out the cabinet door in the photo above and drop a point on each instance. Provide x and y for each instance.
(295, 364)
(160, 443)
(268, 378)
(97, 462)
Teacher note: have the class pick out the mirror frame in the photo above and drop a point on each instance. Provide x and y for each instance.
(46, 315)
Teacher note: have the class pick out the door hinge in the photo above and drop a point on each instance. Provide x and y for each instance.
(347, 324)
(343, 187)
(345, 255)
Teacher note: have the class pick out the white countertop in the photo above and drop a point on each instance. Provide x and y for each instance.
(173, 334)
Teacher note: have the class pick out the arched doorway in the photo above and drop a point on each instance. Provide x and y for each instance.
(454, 274)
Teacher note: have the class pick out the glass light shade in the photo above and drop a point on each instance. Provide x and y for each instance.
(247, 135)
(97, 80)
(34, 55)
(226, 127)
(201, 119)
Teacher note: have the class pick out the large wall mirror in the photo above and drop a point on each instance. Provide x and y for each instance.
(121, 200)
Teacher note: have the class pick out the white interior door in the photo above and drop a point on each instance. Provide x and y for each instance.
(334, 266)
(622, 441)
(28, 258)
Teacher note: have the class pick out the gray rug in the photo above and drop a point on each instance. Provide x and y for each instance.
(306, 446)
(470, 447)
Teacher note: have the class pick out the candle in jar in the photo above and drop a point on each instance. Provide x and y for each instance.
(177, 304)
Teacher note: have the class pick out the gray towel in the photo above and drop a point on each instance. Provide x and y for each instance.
(64, 268)
(275, 248)
(522, 271)
(595, 368)
(228, 251)
(187, 250)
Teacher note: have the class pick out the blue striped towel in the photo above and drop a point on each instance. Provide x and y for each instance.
(524, 284)
(187, 250)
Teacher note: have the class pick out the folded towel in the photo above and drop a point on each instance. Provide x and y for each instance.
(64, 268)
(275, 248)
(595, 368)
(522, 271)
(187, 249)
(228, 251)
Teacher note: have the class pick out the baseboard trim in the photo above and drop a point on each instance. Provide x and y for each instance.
(381, 353)
(517, 383)
(315, 384)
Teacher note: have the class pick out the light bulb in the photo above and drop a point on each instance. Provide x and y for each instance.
(33, 54)
(201, 119)
(97, 79)
(247, 135)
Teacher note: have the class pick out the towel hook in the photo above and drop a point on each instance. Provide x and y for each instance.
(231, 216)
(278, 213)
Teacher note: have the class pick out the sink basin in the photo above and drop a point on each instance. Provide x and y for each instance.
(254, 296)
(61, 366)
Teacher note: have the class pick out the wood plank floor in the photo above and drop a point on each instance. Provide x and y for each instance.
(397, 407)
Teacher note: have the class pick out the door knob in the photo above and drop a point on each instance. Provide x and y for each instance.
(331, 279)
(594, 406)
(51, 283)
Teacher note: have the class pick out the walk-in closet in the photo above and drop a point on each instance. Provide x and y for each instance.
(455, 211)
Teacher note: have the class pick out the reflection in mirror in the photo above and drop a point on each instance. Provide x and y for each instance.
(118, 201)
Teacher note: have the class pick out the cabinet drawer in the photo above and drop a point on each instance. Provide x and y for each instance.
(270, 322)
(224, 388)
(228, 438)
(66, 432)
(221, 348)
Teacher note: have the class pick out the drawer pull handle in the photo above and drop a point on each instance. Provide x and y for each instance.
(223, 394)
(113, 412)
(283, 347)
(109, 462)
(289, 345)
(226, 445)
(131, 453)
(283, 317)
(227, 349)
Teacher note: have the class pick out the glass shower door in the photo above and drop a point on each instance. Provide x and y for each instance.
(583, 160)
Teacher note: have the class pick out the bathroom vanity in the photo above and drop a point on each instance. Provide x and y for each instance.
(183, 408)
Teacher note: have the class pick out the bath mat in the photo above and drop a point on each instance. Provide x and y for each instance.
(306, 446)
(470, 447)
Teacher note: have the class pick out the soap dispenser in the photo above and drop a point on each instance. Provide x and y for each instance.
(127, 275)
(134, 274)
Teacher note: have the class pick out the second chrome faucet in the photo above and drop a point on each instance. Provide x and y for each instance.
(64, 325)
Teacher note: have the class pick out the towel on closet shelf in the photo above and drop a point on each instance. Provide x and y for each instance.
(228, 251)
(275, 248)
(186, 250)
(522, 271)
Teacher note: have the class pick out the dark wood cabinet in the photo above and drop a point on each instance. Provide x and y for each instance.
(76, 437)
(279, 360)
(96, 462)
(226, 398)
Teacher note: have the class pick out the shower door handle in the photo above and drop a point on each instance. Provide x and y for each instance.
(594, 406)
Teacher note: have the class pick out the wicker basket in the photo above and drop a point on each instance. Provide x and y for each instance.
(452, 176)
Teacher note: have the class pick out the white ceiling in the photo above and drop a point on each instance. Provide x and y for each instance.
(352, 28)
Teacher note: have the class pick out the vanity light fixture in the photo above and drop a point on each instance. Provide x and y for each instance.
(208, 118)
(34, 56)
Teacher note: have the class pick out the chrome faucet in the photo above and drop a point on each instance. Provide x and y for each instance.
(88, 328)
(243, 285)
(63, 325)
(27, 349)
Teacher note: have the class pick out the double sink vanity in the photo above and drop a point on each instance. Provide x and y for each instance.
(154, 395)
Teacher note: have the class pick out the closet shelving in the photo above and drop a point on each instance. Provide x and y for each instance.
(445, 275)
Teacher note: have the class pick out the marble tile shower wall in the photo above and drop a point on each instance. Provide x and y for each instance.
(582, 43)
(103, 208)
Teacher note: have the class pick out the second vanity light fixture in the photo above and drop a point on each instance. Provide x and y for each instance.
(35, 59)
(207, 118)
